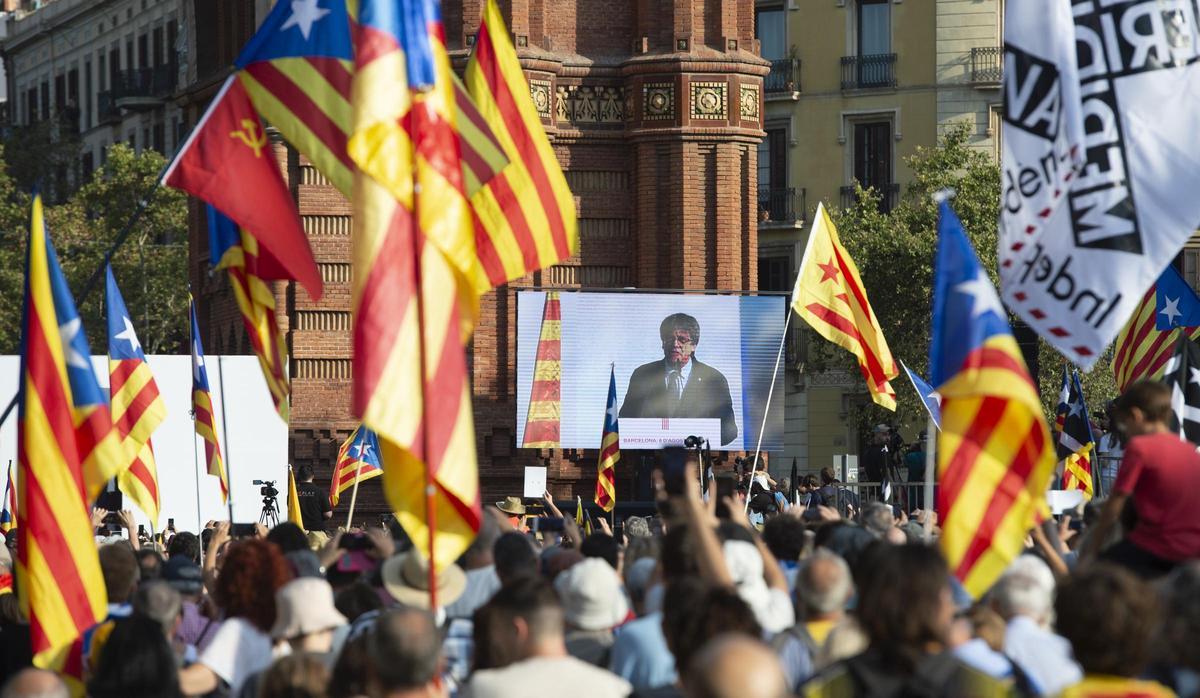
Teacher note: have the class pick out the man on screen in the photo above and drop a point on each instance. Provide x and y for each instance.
(679, 385)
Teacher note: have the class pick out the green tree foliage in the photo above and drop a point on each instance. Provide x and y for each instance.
(894, 253)
(151, 265)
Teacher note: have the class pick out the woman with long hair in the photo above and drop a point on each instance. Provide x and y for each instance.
(251, 572)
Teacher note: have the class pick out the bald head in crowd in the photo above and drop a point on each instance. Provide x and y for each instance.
(35, 683)
(823, 586)
(735, 666)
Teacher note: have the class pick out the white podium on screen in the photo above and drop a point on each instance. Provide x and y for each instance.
(652, 433)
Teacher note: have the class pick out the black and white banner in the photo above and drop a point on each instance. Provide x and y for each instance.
(1101, 160)
(1182, 373)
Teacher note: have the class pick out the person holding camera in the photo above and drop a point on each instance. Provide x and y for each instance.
(314, 501)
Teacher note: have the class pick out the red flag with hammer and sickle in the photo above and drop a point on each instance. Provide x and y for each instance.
(228, 162)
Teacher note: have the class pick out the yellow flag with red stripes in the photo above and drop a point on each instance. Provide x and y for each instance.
(137, 407)
(524, 217)
(830, 296)
(542, 421)
(413, 306)
(64, 431)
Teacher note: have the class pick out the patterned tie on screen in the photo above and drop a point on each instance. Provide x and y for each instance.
(675, 386)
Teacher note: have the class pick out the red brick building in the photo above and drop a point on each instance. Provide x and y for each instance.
(654, 108)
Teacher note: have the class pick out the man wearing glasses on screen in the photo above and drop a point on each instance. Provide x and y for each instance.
(679, 385)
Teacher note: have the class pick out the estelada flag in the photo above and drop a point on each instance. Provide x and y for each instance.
(995, 457)
(610, 450)
(228, 162)
(830, 296)
(66, 450)
(137, 407)
(358, 459)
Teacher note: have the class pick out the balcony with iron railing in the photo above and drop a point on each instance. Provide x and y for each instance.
(987, 66)
(886, 195)
(783, 207)
(868, 71)
(140, 88)
(784, 78)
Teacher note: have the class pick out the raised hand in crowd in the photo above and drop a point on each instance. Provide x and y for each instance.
(130, 525)
(383, 546)
(98, 515)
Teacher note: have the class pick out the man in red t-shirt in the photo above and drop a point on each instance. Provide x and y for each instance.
(1161, 474)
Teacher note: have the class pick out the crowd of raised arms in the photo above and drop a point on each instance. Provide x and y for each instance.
(698, 600)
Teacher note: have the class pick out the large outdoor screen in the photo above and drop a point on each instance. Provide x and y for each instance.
(685, 365)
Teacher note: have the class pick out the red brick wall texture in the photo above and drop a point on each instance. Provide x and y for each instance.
(654, 111)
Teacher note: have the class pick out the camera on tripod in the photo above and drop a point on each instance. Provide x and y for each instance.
(270, 510)
(267, 489)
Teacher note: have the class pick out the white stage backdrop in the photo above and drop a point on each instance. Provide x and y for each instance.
(257, 448)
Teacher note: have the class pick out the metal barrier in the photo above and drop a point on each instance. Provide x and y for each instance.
(907, 495)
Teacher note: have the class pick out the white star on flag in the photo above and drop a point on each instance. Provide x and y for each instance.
(1076, 409)
(936, 397)
(197, 361)
(68, 331)
(983, 294)
(305, 13)
(612, 413)
(364, 449)
(128, 335)
(1171, 311)
(1195, 375)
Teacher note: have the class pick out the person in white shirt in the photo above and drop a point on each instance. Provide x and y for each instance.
(251, 572)
(527, 619)
(1024, 598)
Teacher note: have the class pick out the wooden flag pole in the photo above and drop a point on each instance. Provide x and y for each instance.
(353, 493)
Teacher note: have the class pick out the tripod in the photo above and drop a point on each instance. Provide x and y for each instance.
(269, 516)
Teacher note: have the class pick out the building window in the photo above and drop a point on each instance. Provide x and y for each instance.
(143, 43)
(874, 27)
(771, 32)
(775, 273)
(872, 162)
(775, 202)
(87, 94)
(873, 153)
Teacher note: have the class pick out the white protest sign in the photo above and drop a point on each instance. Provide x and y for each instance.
(535, 482)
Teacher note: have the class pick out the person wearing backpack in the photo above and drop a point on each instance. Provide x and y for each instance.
(823, 589)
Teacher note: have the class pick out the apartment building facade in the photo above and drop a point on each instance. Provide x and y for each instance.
(104, 71)
(855, 88)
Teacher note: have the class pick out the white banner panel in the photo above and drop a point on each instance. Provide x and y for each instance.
(257, 448)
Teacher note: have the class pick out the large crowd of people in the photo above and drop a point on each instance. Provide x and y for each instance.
(698, 600)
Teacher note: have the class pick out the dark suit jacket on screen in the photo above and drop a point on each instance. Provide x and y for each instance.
(706, 395)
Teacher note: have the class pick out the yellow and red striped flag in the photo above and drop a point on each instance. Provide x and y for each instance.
(524, 217)
(994, 452)
(65, 431)
(293, 499)
(203, 417)
(1142, 350)
(545, 399)
(299, 78)
(413, 307)
(137, 407)
(358, 460)
(250, 272)
(830, 296)
(610, 450)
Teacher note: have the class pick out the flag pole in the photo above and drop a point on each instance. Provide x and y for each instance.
(767, 409)
(225, 434)
(195, 449)
(930, 466)
(353, 493)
